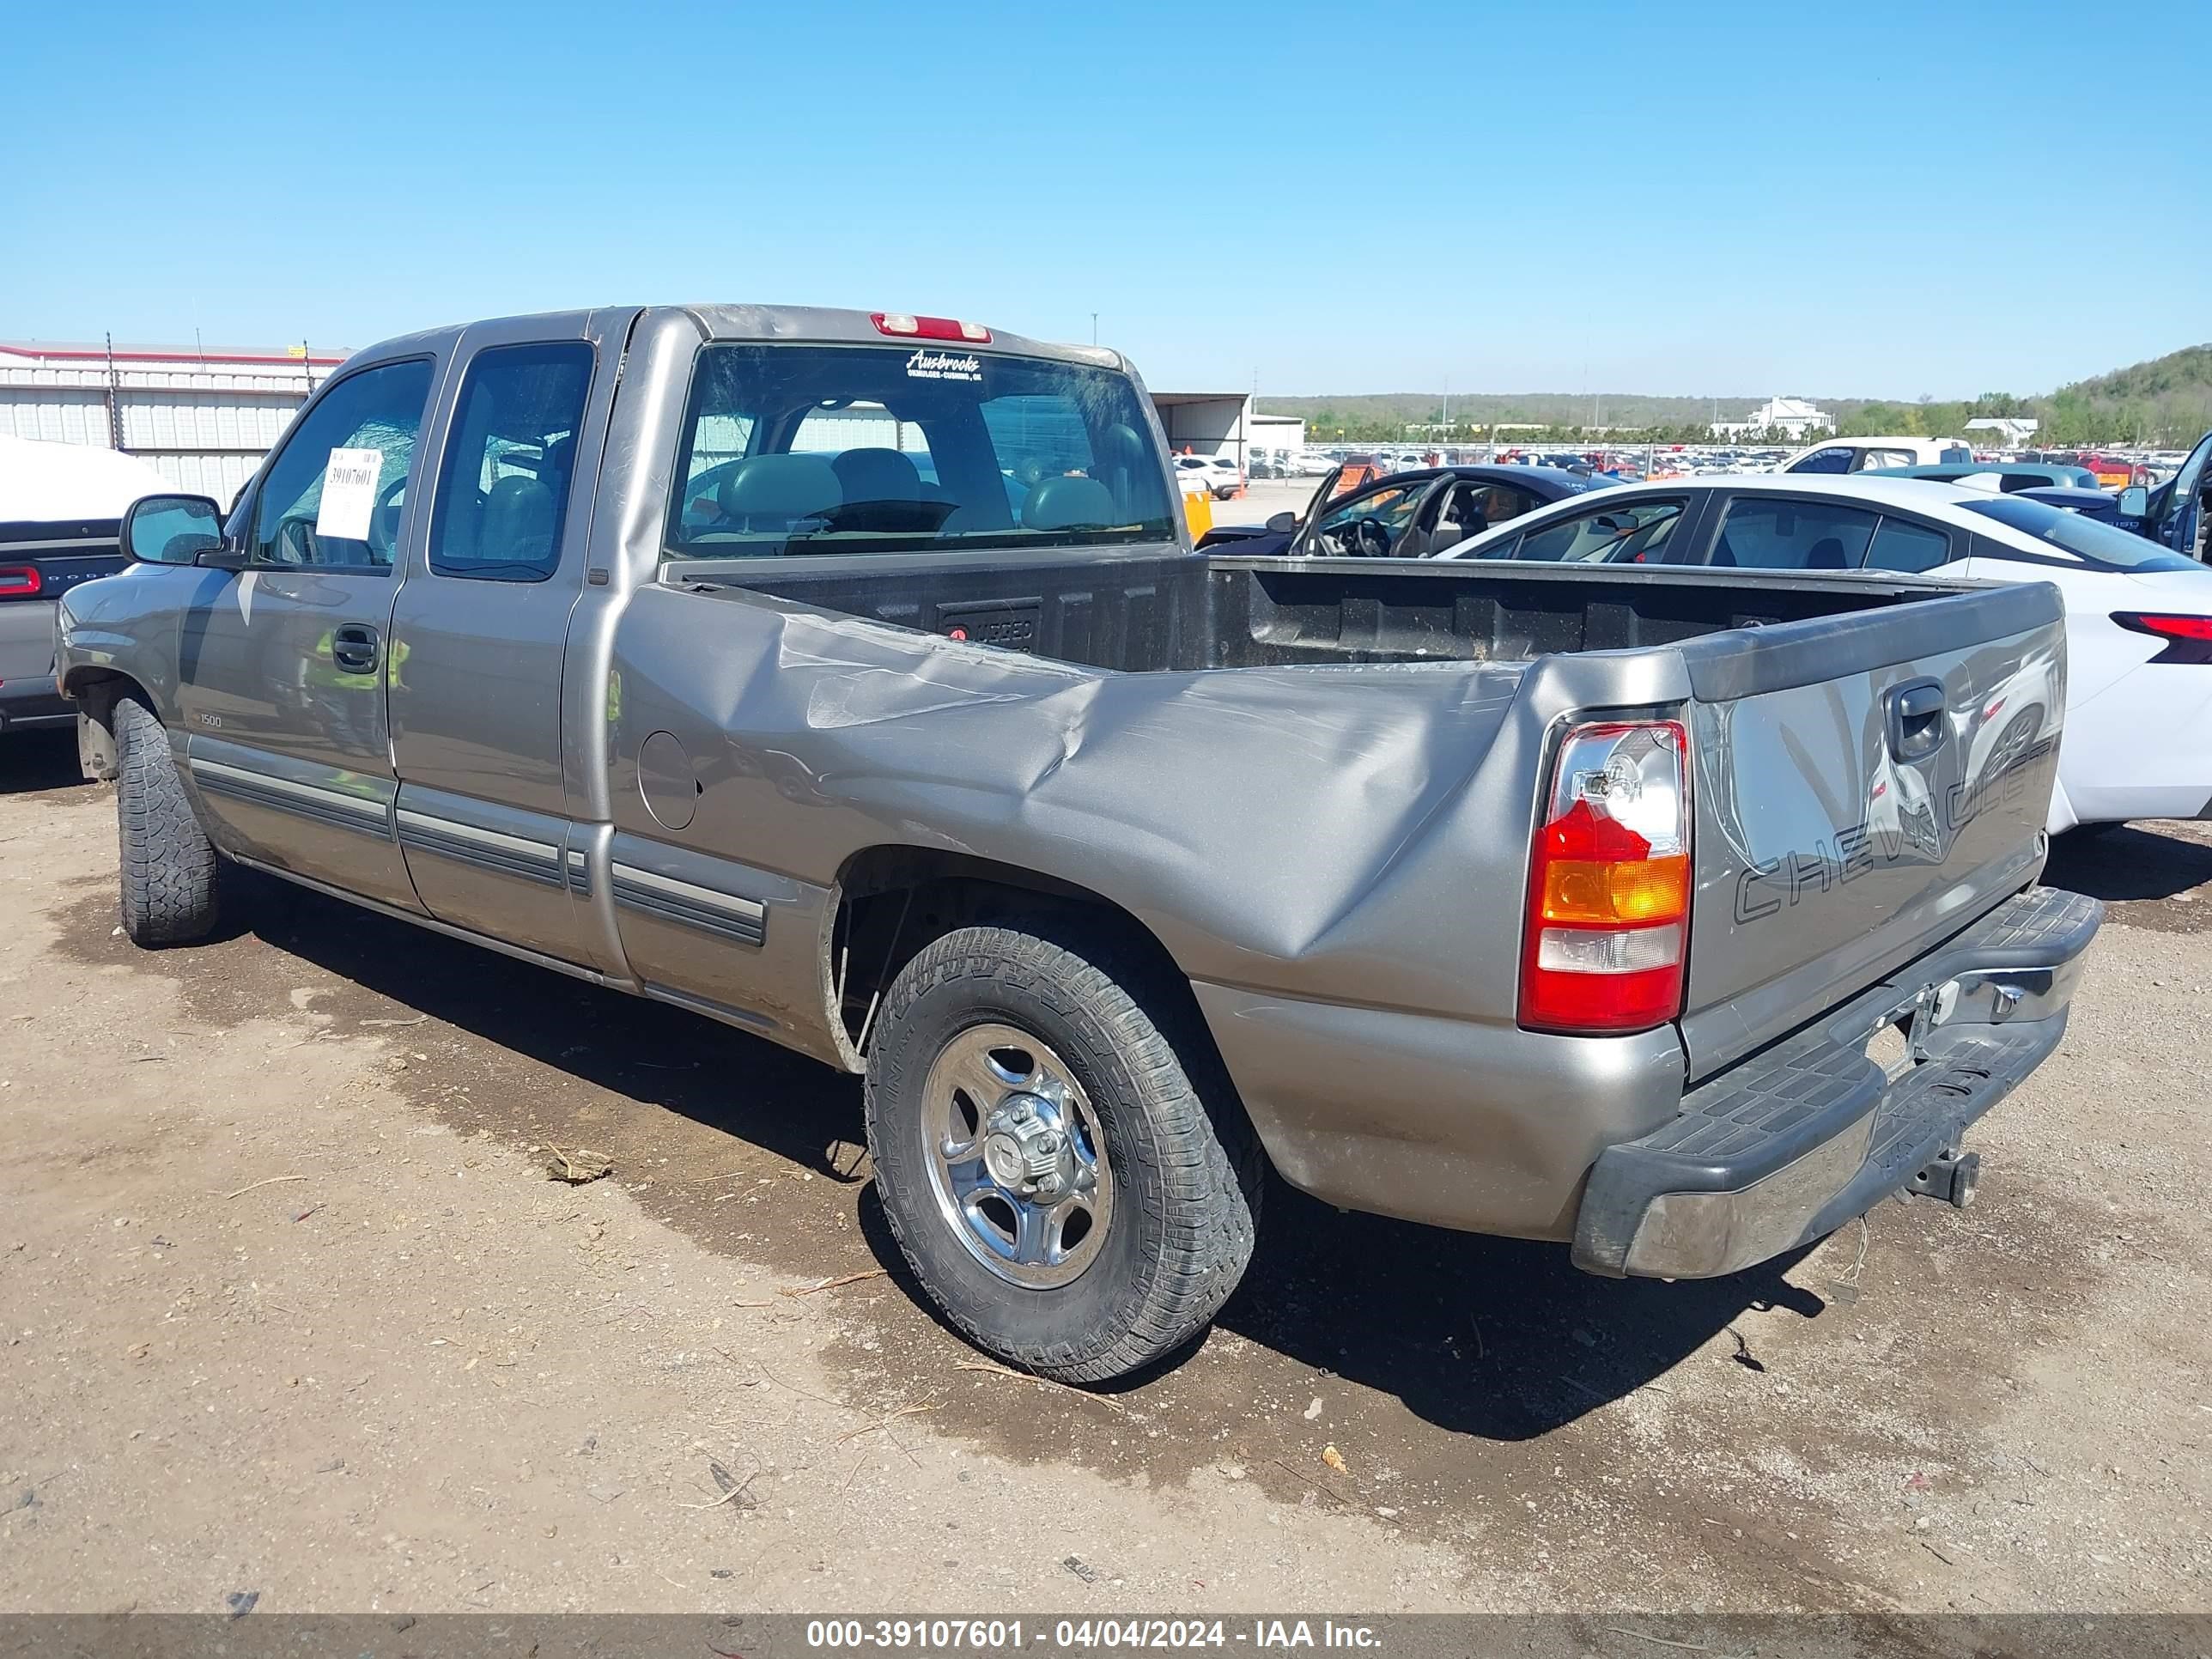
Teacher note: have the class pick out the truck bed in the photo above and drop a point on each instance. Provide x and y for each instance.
(1826, 860)
(1151, 613)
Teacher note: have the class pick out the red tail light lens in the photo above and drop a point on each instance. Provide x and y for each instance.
(2167, 628)
(906, 326)
(1609, 882)
(2188, 639)
(21, 581)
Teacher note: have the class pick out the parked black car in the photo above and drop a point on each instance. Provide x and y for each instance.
(1405, 515)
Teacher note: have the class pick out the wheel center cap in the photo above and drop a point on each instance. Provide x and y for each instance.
(1024, 1148)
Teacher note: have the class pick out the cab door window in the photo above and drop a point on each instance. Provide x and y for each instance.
(333, 496)
(1836, 458)
(503, 495)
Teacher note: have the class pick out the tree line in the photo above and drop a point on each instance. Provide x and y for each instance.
(2164, 403)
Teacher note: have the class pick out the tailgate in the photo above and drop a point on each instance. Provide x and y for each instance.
(1866, 787)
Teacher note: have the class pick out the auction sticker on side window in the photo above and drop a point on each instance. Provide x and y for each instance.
(348, 494)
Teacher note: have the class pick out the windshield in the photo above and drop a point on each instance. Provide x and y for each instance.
(2087, 539)
(902, 449)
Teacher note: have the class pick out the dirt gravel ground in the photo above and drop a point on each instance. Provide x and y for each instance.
(289, 1306)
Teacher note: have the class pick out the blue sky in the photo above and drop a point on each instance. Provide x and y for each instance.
(1325, 197)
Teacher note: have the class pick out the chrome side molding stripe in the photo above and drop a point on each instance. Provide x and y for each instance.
(690, 905)
(329, 806)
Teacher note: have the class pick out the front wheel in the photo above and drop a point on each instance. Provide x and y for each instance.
(1050, 1172)
(170, 870)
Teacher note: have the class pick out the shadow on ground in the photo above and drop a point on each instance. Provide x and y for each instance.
(1499, 1339)
(2131, 863)
(645, 1051)
(41, 759)
(1494, 1338)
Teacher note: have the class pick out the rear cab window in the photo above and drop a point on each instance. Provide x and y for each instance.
(791, 449)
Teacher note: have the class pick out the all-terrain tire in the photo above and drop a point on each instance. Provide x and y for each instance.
(1187, 1175)
(171, 872)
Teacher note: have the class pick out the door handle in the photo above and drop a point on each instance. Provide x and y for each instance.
(1915, 720)
(354, 647)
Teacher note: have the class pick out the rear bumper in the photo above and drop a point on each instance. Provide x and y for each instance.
(1788, 1146)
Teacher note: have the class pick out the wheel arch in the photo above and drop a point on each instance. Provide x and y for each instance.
(891, 901)
(96, 690)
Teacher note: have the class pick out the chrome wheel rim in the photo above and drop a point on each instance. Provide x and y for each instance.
(1017, 1161)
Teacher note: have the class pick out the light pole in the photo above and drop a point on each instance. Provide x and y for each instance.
(1094, 328)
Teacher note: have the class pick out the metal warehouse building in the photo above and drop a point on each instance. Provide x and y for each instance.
(204, 419)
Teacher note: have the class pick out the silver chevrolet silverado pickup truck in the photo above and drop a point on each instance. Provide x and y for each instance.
(849, 678)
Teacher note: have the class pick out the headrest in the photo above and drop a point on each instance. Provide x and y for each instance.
(876, 475)
(1119, 445)
(781, 487)
(1066, 504)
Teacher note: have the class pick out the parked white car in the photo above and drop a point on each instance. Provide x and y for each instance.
(2137, 741)
(1864, 454)
(1217, 477)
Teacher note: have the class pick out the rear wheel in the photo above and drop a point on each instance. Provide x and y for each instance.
(1048, 1166)
(170, 870)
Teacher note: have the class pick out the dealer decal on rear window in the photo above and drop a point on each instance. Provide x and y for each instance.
(927, 365)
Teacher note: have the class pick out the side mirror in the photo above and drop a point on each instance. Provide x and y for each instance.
(2134, 501)
(172, 529)
(1283, 523)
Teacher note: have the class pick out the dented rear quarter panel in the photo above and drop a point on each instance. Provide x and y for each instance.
(1335, 856)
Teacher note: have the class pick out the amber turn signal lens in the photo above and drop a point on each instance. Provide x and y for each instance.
(1609, 894)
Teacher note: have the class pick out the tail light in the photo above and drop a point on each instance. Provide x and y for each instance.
(1609, 882)
(2188, 639)
(21, 581)
(909, 327)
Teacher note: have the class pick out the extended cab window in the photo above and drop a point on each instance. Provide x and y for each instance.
(791, 449)
(333, 496)
(504, 492)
